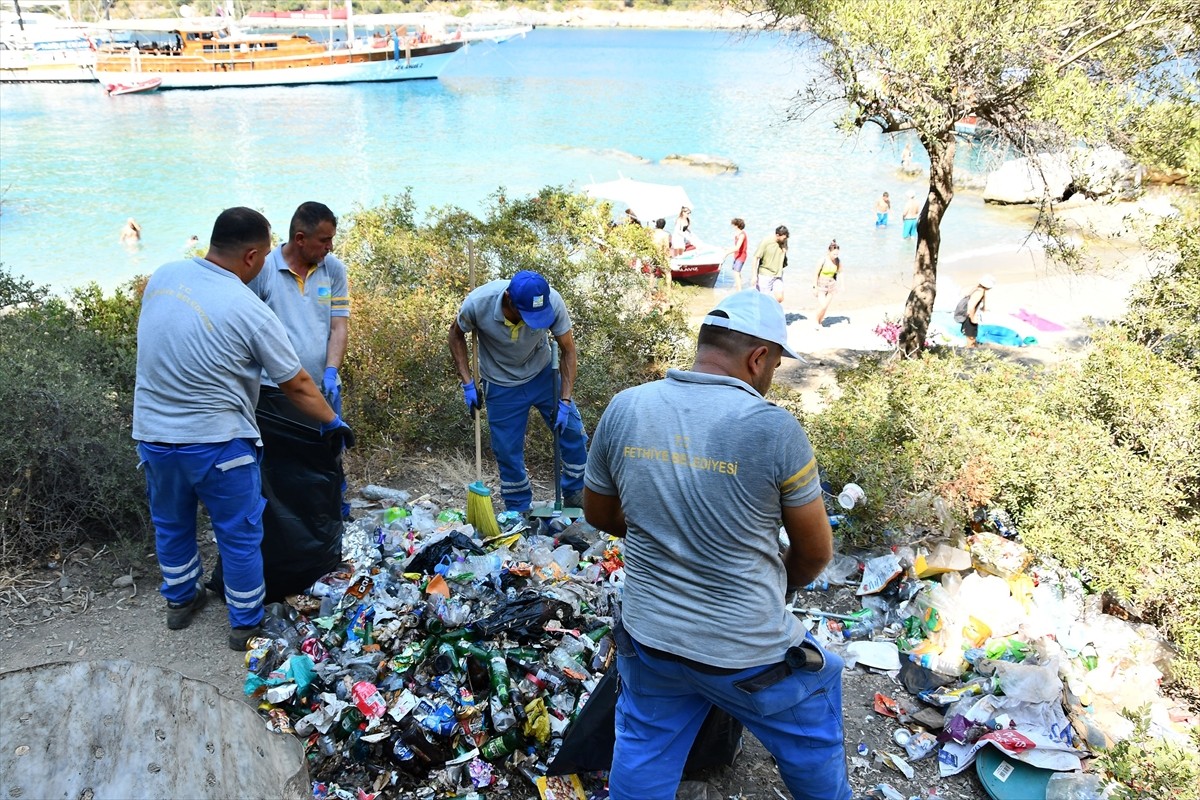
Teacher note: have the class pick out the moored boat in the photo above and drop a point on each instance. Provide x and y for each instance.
(137, 87)
(196, 54)
(699, 265)
(44, 47)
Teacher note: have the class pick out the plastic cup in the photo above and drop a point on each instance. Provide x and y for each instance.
(852, 495)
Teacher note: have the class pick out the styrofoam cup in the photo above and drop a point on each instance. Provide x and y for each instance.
(852, 494)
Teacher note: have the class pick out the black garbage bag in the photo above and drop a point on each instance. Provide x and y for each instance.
(588, 743)
(522, 617)
(427, 560)
(302, 482)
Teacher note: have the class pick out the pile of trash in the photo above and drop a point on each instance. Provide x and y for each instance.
(436, 664)
(994, 649)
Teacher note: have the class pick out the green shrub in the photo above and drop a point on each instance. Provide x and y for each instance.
(1095, 461)
(71, 472)
(400, 385)
(1164, 311)
(1144, 767)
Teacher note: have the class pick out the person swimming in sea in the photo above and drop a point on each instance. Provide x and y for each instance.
(131, 234)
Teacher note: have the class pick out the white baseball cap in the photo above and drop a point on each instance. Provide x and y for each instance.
(987, 281)
(754, 314)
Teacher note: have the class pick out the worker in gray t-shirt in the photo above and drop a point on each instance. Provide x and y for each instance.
(696, 471)
(306, 286)
(204, 340)
(510, 319)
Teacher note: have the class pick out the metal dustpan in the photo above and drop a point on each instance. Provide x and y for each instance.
(556, 511)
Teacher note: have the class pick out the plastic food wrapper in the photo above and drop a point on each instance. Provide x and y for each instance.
(944, 558)
(560, 787)
(297, 669)
(878, 572)
(895, 762)
(841, 570)
(880, 655)
(1030, 683)
(1039, 735)
(885, 705)
(999, 556)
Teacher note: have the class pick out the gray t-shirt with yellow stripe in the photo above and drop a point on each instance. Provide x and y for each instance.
(703, 465)
(509, 355)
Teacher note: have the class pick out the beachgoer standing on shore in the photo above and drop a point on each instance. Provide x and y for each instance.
(738, 465)
(204, 341)
(976, 304)
(911, 213)
(662, 244)
(131, 234)
(740, 247)
(882, 207)
(679, 234)
(770, 259)
(826, 281)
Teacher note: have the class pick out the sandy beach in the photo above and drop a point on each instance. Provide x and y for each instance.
(1027, 283)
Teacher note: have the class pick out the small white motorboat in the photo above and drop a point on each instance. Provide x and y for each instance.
(133, 87)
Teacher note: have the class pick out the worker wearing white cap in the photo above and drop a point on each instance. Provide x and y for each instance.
(695, 471)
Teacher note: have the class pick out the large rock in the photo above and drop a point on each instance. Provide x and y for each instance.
(121, 729)
(1106, 173)
(701, 161)
(1029, 180)
(1099, 173)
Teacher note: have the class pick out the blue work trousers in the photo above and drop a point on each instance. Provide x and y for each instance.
(663, 703)
(225, 477)
(508, 417)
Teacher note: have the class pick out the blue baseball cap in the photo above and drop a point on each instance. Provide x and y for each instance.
(530, 293)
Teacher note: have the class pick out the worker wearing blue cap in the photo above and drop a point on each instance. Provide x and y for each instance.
(510, 318)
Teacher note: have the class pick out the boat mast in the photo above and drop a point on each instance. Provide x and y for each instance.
(349, 24)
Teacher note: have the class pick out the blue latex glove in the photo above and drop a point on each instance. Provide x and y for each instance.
(332, 390)
(338, 434)
(564, 416)
(471, 398)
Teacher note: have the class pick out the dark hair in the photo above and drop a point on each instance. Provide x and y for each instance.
(308, 216)
(662, 223)
(781, 230)
(738, 223)
(726, 340)
(237, 228)
(834, 245)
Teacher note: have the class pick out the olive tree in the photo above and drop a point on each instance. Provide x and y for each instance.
(1044, 73)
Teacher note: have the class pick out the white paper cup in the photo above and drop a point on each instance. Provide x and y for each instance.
(852, 495)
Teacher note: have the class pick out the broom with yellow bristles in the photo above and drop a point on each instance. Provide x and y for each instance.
(479, 496)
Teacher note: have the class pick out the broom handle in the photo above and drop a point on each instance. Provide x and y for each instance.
(475, 370)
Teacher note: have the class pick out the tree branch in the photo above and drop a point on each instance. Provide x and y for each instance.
(1103, 40)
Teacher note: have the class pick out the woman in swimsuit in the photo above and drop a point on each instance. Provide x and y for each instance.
(826, 283)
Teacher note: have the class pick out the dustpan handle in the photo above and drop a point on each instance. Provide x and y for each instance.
(475, 370)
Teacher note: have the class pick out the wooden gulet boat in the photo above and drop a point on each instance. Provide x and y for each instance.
(211, 58)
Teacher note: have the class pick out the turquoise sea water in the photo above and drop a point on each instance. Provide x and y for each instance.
(557, 107)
